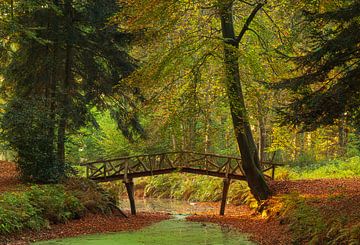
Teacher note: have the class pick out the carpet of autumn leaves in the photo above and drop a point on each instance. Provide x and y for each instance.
(8, 177)
(333, 198)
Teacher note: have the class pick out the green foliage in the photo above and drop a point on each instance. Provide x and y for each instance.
(239, 193)
(305, 221)
(43, 205)
(309, 226)
(92, 196)
(328, 87)
(55, 204)
(25, 127)
(60, 59)
(337, 168)
(17, 213)
(194, 188)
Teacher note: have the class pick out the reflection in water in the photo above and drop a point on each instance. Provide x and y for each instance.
(163, 205)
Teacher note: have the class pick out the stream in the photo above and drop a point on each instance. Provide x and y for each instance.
(176, 231)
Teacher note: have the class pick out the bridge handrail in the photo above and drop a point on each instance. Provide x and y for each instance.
(158, 154)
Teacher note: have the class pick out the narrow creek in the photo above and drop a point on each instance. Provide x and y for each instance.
(176, 231)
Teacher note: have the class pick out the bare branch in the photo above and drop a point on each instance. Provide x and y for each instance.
(248, 3)
(248, 22)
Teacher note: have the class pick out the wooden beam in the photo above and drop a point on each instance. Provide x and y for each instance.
(224, 195)
(129, 184)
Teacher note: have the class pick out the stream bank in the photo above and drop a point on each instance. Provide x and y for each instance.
(91, 224)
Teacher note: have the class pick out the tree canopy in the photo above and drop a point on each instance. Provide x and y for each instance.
(61, 59)
(328, 86)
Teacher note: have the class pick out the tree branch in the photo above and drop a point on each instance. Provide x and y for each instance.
(248, 21)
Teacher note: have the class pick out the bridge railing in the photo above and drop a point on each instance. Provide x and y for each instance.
(160, 163)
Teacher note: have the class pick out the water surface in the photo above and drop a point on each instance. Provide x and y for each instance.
(176, 231)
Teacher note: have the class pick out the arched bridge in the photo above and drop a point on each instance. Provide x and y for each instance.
(129, 167)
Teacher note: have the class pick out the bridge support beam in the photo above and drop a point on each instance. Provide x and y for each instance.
(224, 195)
(129, 184)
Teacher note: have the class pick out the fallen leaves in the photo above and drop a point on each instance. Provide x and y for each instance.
(332, 197)
(9, 179)
(91, 224)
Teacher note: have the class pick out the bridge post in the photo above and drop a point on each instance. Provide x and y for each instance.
(129, 184)
(226, 184)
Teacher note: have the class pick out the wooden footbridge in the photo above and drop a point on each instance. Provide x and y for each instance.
(130, 167)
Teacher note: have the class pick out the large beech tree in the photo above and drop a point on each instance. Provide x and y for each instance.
(248, 150)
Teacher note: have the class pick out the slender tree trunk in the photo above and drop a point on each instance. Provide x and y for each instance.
(53, 80)
(246, 143)
(342, 134)
(66, 84)
(262, 139)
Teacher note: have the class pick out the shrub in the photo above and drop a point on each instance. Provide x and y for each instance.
(93, 198)
(27, 127)
(17, 213)
(42, 205)
(55, 204)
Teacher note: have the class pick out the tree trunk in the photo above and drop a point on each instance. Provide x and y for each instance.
(249, 155)
(342, 134)
(66, 84)
(262, 127)
(53, 80)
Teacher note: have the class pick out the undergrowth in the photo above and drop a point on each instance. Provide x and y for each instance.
(43, 205)
(307, 223)
(337, 168)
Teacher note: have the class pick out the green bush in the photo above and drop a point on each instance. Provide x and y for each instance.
(27, 128)
(55, 204)
(17, 213)
(42, 205)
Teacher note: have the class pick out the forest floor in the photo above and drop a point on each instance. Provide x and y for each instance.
(331, 197)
